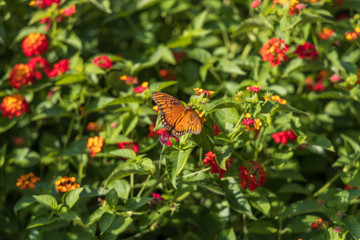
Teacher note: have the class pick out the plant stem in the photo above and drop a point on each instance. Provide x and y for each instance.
(132, 185)
(333, 179)
(143, 186)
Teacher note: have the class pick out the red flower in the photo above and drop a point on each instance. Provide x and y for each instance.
(166, 74)
(34, 44)
(141, 88)
(335, 78)
(129, 80)
(253, 89)
(43, 3)
(284, 136)
(248, 122)
(39, 66)
(178, 55)
(215, 168)
(14, 105)
(129, 145)
(317, 224)
(200, 91)
(69, 11)
(155, 202)
(103, 61)
(59, 68)
(326, 33)
(274, 51)
(21, 74)
(307, 50)
(255, 4)
(217, 129)
(252, 178)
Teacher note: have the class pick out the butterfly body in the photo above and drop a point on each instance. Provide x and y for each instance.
(175, 116)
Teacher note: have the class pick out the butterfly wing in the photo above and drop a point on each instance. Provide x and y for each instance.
(171, 109)
(187, 123)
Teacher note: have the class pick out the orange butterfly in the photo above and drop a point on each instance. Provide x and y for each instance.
(175, 116)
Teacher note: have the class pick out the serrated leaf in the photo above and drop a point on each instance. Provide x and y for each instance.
(46, 200)
(72, 197)
(119, 225)
(105, 222)
(352, 223)
(96, 215)
(175, 161)
(124, 153)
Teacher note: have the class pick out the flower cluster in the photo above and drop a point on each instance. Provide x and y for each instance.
(27, 181)
(276, 98)
(94, 127)
(63, 13)
(200, 115)
(284, 136)
(39, 65)
(252, 178)
(178, 55)
(21, 74)
(95, 145)
(59, 68)
(200, 91)
(155, 201)
(217, 129)
(103, 62)
(335, 78)
(250, 123)
(162, 133)
(253, 89)
(353, 35)
(43, 3)
(274, 51)
(318, 86)
(214, 166)
(306, 50)
(34, 44)
(14, 105)
(129, 80)
(129, 145)
(255, 3)
(293, 9)
(66, 184)
(318, 224)
(141, 88)
(326, 33)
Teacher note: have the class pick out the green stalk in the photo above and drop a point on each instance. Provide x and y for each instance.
(143, 186)
(327, 185)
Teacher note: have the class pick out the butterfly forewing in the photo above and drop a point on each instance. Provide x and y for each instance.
(175, 117)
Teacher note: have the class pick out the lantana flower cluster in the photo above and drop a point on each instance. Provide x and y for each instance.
(253, 177)
(214, 166)
(66, 184)
(284, 136)
(27, 181)
(251, 123)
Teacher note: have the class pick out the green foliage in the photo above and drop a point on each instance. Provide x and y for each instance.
(107, 167)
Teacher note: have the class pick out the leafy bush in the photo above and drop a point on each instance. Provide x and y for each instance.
(273, 86)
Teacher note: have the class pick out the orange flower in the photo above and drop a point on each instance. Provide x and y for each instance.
(14, 105)
(276, 98)
(66, 184)
(95, 144)
(326, 33)
(67, 12)
(351, 35)
(34, 44)
(94, 126)
(274, 51)
(21, 74)
(27, 181)
(293, 3)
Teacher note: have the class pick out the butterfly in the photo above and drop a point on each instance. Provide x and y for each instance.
(175, 116)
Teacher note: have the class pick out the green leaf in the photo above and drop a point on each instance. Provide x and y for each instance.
(119, 225)
(125, 99)
(158, 86)
(74, 41)
(6, 124)
(75, 148)
(352, 223)
(262, 204)
(220, 104)
(123, 170)
(252, 23)
(3, 155)
(199, 54)
(288, 108)
(103, 6)
(131, 126)
(206, 137)
(199, 20)
(96, 215)
(40, 221)
(112, 198)
(38, 15)
(46, 200)
(230, 67)
(122, 188)
(300, 207)
(124, 153)
(54, 112)
(105, 222)
(262, 227)
(70, 79)
(226, 234)
(91, 68)
(222, 154)
(269, 106)
(24, 202)
(175, 161)
(323, 142)
(98, 103)
(136, 202)
(68, 214)
(72, 197)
